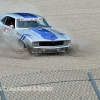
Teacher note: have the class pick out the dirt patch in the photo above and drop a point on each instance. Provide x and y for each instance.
(11, 51)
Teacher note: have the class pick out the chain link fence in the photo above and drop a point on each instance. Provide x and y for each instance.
(51, 85)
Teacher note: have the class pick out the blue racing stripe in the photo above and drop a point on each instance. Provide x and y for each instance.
(24, 36)
(45, 33)
(27, 15)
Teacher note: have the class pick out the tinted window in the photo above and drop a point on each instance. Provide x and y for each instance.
(8, 21)
(4, 20)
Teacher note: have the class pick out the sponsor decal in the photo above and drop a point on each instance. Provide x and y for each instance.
(29, 19)
(6, 31)
(24, 36)
(27, 15)
(46, 34)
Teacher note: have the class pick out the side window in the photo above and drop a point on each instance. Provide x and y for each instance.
(9, 21)
(4, 20)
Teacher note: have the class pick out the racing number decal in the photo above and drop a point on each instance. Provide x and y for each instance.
(6, 31)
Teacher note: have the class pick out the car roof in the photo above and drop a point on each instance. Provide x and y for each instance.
(23, 15)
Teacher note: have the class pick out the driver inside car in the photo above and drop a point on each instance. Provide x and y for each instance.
(11, 24)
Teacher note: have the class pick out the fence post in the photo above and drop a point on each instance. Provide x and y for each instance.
(2, 93)
(94, 84)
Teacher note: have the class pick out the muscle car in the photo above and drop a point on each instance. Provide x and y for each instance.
(32, 31)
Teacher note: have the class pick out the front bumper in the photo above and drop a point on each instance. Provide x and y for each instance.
(49, 49)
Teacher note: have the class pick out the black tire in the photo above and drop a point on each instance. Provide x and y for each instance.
(21, 44)
(29, 50)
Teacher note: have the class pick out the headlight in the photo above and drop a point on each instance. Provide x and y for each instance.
(67, 42)
(35, 44)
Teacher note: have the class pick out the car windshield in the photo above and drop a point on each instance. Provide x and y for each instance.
(28, 23)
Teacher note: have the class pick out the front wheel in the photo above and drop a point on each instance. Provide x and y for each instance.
(21, 44)
(29, 50)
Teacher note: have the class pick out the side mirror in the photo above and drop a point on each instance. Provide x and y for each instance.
(12, 26)
(50, 25)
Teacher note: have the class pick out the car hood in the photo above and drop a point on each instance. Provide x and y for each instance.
(42, 34)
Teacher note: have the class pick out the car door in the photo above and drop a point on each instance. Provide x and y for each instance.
(8, 31)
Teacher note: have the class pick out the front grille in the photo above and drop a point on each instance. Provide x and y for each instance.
(49, 43)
